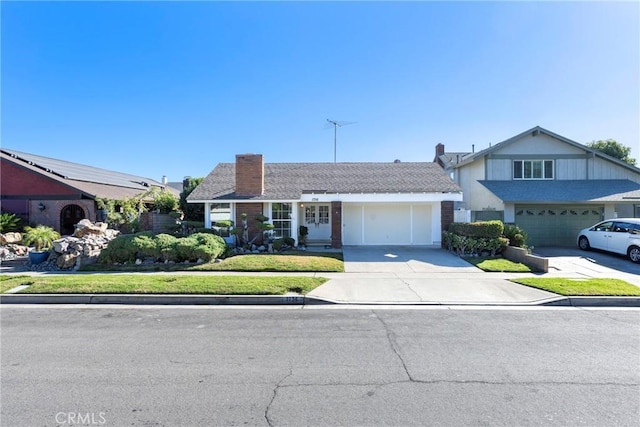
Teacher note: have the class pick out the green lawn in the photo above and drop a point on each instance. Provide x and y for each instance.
(167, 284)
(498, 265)
(581, 287)
(9, 282)
(300, 262)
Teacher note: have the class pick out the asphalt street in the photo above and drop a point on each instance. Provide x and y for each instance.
(195, 366)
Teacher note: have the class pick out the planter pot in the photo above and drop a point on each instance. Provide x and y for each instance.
(102, 215)
(38, 257)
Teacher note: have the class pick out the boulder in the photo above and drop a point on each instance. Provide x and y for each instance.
(65, 261)
(8, 238)
(86, 227)
(60, 246)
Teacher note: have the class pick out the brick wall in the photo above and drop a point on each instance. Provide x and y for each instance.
(446, 216)
(336, 224)
(249, 175)
(19, 181)
(252, 210)
(50, 216)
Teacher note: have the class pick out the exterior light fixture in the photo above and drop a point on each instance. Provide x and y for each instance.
(41, 206)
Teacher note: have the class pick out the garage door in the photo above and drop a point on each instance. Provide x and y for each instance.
(386, 224)
(553, 225)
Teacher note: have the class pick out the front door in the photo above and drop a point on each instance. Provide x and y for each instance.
(69, 217)
(317, 220)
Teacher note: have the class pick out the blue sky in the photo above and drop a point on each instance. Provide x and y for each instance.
(173, 88)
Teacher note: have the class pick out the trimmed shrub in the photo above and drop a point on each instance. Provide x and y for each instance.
(119, 250)
(516, 235)
(186, 249)
(466, 245)
(144, 245)
(484, 229)
(165, 247)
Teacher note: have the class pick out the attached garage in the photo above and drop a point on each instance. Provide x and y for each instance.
(387, 224)
(556, 225)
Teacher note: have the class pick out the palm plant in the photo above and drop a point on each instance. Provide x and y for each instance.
(40, 237)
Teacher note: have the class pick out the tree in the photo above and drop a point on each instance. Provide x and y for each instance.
(613, 148)
(192, 211)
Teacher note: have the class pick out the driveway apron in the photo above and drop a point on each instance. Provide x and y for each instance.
(420, 275)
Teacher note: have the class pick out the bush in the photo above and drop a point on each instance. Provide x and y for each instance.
(484, 229)
(165, 247)
(119, 250)
(165, 201)
(465, 245)
(144, 245)
(516, 235)
(186, 249)
(9, 222)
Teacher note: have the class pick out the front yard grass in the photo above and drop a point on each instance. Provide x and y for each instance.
(581, 287)
(166, 284)
(9, 282)
(498, 265)
(300, 262)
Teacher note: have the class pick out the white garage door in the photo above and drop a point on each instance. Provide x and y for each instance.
(386, 224)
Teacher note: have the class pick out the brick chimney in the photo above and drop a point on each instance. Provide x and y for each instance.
(439, 152)
(249, 175)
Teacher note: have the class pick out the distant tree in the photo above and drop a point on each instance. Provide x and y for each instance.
(614, 149)
(192, 211)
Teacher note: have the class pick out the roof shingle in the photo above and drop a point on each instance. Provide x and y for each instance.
(288, 181)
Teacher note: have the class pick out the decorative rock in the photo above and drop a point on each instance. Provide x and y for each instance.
(138, 261)
(262, 248)
(60, 246)
(66, 261)
(200, 261)
(85, 227)
(8, 238)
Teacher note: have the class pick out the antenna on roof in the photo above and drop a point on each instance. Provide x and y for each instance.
(337, 124)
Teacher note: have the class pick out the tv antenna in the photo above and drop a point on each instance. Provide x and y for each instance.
(337, 124)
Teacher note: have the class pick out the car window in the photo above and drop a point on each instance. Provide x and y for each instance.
(604, 226)
(635, 229)
(621, 227)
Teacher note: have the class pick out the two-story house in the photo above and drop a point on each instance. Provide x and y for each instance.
(545, 183)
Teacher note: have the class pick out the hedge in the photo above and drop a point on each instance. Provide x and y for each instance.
(163, 247)
(482, 229)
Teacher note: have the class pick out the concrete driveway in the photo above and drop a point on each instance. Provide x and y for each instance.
(403, 259)
(420, 275)
(573, 262)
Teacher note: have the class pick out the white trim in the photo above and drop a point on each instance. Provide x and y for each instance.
(353, 198)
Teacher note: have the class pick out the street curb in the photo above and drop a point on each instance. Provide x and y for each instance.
(151, 299)
(159, 299)
(577, 301)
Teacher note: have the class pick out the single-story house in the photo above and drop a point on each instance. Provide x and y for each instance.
(547, 184)
(340, 203)
(57, 193)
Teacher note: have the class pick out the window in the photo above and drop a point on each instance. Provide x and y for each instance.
(220, 212)
(533, 169)
(281, 219)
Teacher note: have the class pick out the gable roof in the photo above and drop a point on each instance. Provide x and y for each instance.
(450, 159)
(548, 191)
(536, 130)
(91, 181)
(288, 181)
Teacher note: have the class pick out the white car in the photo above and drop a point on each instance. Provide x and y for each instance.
(620, 235)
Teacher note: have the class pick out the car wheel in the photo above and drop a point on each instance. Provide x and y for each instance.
(583, 243)
(634, 253)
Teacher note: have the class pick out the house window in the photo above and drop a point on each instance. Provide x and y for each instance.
(533, 169)
(281, 219)
(220, 212)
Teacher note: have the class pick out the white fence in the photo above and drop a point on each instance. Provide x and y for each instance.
(462, 215)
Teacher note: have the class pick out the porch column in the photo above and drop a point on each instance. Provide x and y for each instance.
(295, 214)
(207, 215)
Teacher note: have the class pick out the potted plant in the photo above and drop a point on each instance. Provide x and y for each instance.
(303, 231)
(103, 209)
(41, 238)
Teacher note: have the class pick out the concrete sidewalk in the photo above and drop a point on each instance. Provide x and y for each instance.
(411, 275)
